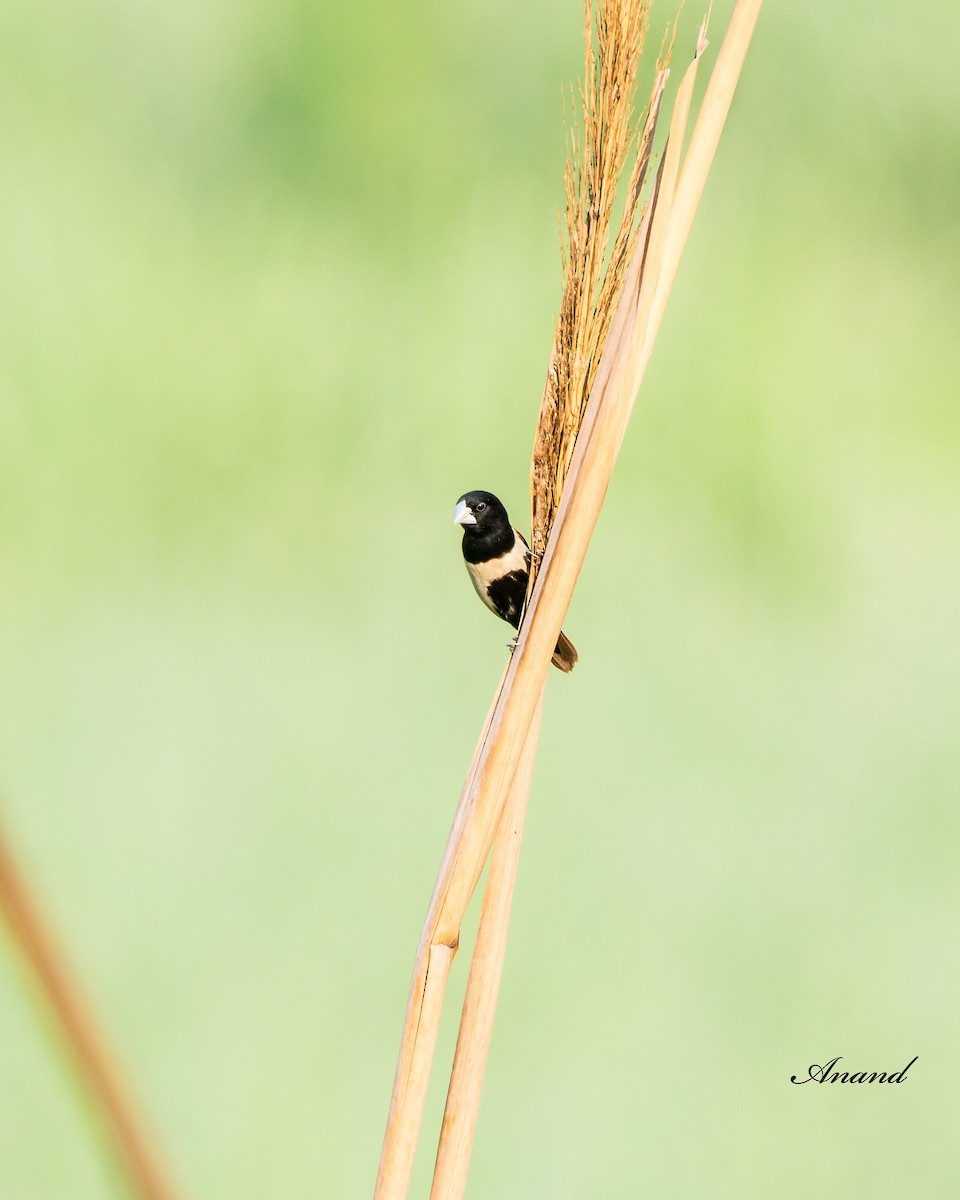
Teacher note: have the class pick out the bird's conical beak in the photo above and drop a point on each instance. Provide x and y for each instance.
(462, 515)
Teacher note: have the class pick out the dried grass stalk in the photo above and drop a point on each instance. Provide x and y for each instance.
(137, 1148)
(508, 731)
(483, 985)
(438, 945)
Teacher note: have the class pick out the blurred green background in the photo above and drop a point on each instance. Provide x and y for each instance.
(277, 284)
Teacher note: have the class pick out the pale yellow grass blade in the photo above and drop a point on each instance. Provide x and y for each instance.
(136, 1145)
(483, 984)
(422, 1021)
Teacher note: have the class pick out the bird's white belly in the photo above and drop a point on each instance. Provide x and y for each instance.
(485, 573)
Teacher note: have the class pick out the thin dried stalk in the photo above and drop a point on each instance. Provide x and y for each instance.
(703, 144)
(508, 726)
(478, 814)
(438, 945)
(483, 984)
(622, 378)
(137, 1147)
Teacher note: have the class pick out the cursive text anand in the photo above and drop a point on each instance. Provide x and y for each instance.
(822, 1074)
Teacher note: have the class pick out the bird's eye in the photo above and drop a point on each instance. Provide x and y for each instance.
(481, 506)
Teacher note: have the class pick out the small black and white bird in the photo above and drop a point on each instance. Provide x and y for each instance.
(498, 563)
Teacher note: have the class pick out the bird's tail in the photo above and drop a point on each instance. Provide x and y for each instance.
(565, 655)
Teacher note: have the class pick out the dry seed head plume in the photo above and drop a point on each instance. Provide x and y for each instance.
(614, 35)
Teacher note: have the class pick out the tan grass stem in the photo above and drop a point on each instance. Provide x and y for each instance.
(483, 985)
(703, 144)
(96, 1061)
(435, 954)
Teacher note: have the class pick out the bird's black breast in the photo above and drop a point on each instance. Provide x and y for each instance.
(507, 594)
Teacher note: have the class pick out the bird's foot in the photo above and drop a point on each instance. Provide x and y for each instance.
(512, 645)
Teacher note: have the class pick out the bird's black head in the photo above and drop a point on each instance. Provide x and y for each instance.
(483, 517)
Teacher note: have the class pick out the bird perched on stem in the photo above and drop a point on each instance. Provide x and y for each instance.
(498, 563)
